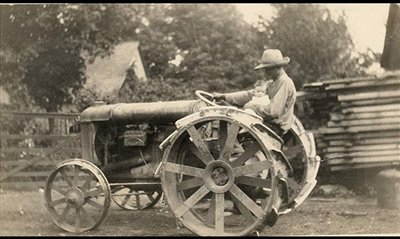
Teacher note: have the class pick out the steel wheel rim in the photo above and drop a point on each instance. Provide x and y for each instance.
(295, 151)
(86, 201)
(188, 214)
(295, 182)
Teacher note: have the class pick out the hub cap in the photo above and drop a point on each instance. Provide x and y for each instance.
(75, 197)
(218, 176)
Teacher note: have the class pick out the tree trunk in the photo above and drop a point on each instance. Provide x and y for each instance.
(391, 52)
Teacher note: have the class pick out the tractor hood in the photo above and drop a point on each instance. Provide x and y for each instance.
(153, 112)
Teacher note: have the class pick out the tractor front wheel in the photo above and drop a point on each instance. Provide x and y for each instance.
(77, 195)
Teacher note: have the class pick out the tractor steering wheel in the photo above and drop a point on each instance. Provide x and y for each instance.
(208, 97)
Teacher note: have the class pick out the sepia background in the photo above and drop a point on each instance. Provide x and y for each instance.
(58, 59)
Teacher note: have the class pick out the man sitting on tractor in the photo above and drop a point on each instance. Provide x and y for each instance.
(278, 114)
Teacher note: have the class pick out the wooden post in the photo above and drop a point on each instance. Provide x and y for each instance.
(387, 191)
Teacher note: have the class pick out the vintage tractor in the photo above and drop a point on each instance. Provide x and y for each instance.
(220, 169)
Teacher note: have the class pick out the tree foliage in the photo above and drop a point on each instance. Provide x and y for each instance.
(184, 47)
(48, 45)
(217, 46)
(211, 44)
(319, 45)
(155, 89)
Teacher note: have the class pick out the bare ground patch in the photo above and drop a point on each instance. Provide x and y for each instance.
(24, 213)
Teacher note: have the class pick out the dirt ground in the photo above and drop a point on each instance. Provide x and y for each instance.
(23, 213)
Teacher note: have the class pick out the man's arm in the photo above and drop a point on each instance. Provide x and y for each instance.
(239, 98)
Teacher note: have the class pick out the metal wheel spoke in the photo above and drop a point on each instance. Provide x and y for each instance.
(255, 147)
(191, 183)
(93, 203)
(246, 200)
(223, 131)
(191, 201)
(251, 168)
(86, 216)
(126, 198)
(137, 197)
(209, 130)
(64, 214)
(150, 196)
(76, 176)
(233, 130)
(219, 212)
(183, 169)
(253, 181)
(86, 185)
(65, 177)
(211, 211)
(206, 156)
(57, 202)
(292, 184)
(77, 219)
(94, 192)
(58, 189)
(243, 210)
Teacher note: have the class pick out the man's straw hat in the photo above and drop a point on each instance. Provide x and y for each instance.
(272, 58)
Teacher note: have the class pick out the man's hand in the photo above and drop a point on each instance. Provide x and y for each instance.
(219, 96)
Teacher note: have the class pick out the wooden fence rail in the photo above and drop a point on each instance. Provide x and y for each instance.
(29, 152)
